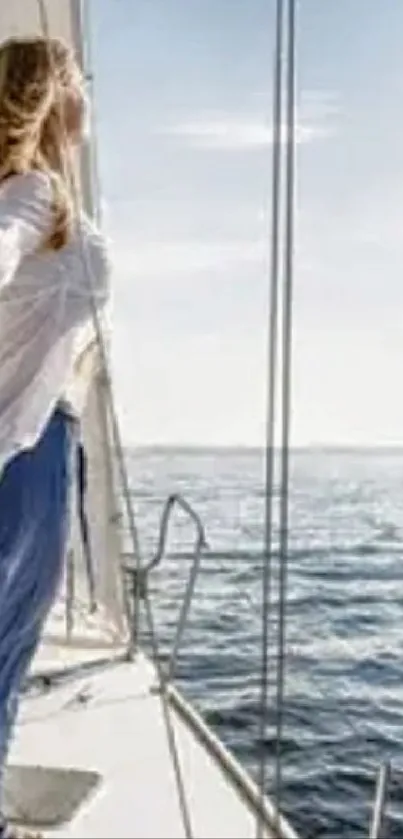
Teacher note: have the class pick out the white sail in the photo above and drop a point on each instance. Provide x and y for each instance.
(25, 18)
(64, 19)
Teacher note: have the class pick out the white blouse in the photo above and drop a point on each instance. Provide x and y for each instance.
(46, 310)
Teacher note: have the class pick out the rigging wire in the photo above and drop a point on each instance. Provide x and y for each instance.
(271, 402)
(283, 97)
(123, 473)
(288, 289)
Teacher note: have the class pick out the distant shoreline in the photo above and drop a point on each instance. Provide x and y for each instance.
(199, 449)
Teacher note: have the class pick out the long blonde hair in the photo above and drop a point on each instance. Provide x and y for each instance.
(37, 75)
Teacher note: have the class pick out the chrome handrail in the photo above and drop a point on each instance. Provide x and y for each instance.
(174, 500)
(381, 795)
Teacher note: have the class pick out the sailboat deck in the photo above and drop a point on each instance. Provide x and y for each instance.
(112, 723)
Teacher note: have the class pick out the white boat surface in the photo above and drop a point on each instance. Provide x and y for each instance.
(103, 739)
(101, 749)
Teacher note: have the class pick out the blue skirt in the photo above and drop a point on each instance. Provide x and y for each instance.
(34, 525)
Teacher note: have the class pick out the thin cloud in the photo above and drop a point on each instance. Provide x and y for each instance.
(239, 134)
(163, 258)
(234, 132)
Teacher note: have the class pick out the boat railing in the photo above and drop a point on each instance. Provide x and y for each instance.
(138, 578)
(377, 829)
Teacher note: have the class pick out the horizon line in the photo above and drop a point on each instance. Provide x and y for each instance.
(246, 447)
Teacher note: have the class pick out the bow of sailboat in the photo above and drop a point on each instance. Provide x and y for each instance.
(106, 745)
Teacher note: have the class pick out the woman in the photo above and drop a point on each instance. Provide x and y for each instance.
(46, 337)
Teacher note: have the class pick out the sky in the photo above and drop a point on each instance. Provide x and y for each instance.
(183, 112)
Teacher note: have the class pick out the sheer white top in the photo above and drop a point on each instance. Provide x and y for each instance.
(46, 311)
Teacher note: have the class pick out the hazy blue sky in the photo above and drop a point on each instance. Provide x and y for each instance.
(183, 106)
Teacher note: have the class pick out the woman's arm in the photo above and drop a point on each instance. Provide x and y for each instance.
(25, 219)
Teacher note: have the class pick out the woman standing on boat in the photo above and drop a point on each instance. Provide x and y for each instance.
(46, 341)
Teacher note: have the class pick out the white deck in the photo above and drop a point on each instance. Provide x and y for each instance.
(119, 731)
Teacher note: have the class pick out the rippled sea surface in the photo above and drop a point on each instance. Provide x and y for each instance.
(343, 711)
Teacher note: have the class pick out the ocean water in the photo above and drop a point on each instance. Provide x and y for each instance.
(344, 673)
